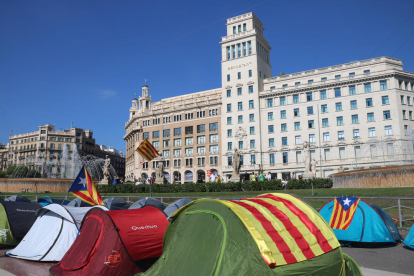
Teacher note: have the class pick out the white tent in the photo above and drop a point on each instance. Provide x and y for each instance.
(52, 234)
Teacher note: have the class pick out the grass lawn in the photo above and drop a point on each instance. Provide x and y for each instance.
(317, 203)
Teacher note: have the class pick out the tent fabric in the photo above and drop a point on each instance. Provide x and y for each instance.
(115, 243)
(52, 234)
(78, 203)
(409, 240)
(148, 201)
(216, 237)
(173, 207)
(367, 226)
(17, 198)
(115, 203)
(48, 200)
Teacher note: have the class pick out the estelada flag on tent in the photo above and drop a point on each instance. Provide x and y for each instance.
(343, 212)
(146, 150)
(84, 188)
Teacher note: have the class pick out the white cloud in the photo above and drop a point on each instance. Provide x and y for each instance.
(106, 94)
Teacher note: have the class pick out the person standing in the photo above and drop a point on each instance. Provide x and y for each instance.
(213, 177)
(218, 180)
(261, 177)
(269, 176)
(252, 177)
(246, 176)
(257, 176)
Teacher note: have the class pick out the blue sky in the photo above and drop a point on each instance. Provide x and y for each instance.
(83, 61)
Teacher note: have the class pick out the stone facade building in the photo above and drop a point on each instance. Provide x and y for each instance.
(354, 115)
(184, 129)
(3, 156)
(47, 144)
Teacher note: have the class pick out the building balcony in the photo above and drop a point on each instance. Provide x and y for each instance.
(177, 155)
(21, 157)
(188, 166)
(177, 167)
(214, 165)
(201, 165)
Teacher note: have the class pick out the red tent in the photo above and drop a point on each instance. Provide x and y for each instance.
(115, 243)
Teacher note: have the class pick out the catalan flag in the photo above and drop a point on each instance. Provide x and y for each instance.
(343, 212)
(146, 150)
(284, 228)
(84, 188)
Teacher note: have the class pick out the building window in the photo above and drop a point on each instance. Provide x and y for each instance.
(408, 100)
(354, 105)
(311, 138)
(239, 73)
(272, 158)
(387, 115)
(368, 102)
(239, 106)
(324, 108)
(240, 144)
(251, 104)
(402, 99)
(240, 119)
(250, 73)
(270, 115)
(325, 122)
(201, 128)
(410, 115)
(403, 112)
(283, 114)
(338, 77)
(229, 133)
(229, 146)
(327, 154)
(309, 96)
(296, 112)
(370, 117)
(297, 125)
(285, 158)
(337, 92)
(213, 127)
(339, 121)
(234, 29)
(250, 89)
(230, 160)
(352, 75)
(270, 129)
(367, 87)
(282, 100)
(269, 102)
(383, 85)
(388, 130)
(250, 47)
(284, 85)
(239, 27)
(252, 130)
(295, 98)
(352, 90)
(177, 142)
(228, 77)
(338, 106)
(238, 50)
(356, 133)
(371, 132)
(326, 137)
(310, 81)
(283, 127)
(271, 142)
(341, 135)
(239, 91)
(355, 119)
(323, 94)
(228, 52)
(297, 84)
(229, 122)
(366, 72)
(251, 117)
(323, 80)
(284, 141)
(228, 107)
(252, 144)
(298, 140)
(145, 135)
(310, 110)
(311, 124)
(228, 93)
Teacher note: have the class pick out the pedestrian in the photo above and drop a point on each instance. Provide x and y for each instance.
(257, 176)
(152, 180)
(148, 180)
(284, 183)
(213, 178)
(246, 176)
(138, 182)
(269, 176)
(252, 177)
(261, 177)
(122, 180)
(293, 176)
(218, 180)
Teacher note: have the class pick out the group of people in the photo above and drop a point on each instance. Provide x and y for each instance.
(257, 177)
(118, 180)
(215, 178)
(148, 181)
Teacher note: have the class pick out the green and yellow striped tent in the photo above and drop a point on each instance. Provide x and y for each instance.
(272, 234)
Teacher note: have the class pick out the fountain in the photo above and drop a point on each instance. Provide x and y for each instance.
(390, 164)
(57, 171)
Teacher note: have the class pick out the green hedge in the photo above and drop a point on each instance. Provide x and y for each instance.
(215, 187)
(318, 183)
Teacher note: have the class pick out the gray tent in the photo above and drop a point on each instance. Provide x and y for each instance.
(148, 201)
(177, 205)
(115, 203)
(17, 198)
(77, 202)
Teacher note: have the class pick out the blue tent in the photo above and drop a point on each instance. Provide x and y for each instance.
(409, 240)
(176, 205)
(46, 200)
(370, 223)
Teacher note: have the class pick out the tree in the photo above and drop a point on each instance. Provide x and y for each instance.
(281, 74)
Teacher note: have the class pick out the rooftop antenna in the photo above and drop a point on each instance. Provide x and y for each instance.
(71, 124)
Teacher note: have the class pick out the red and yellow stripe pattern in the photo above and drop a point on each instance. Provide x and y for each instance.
(341, 219)
(284, 228)
(89, 194)
(146, 150)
